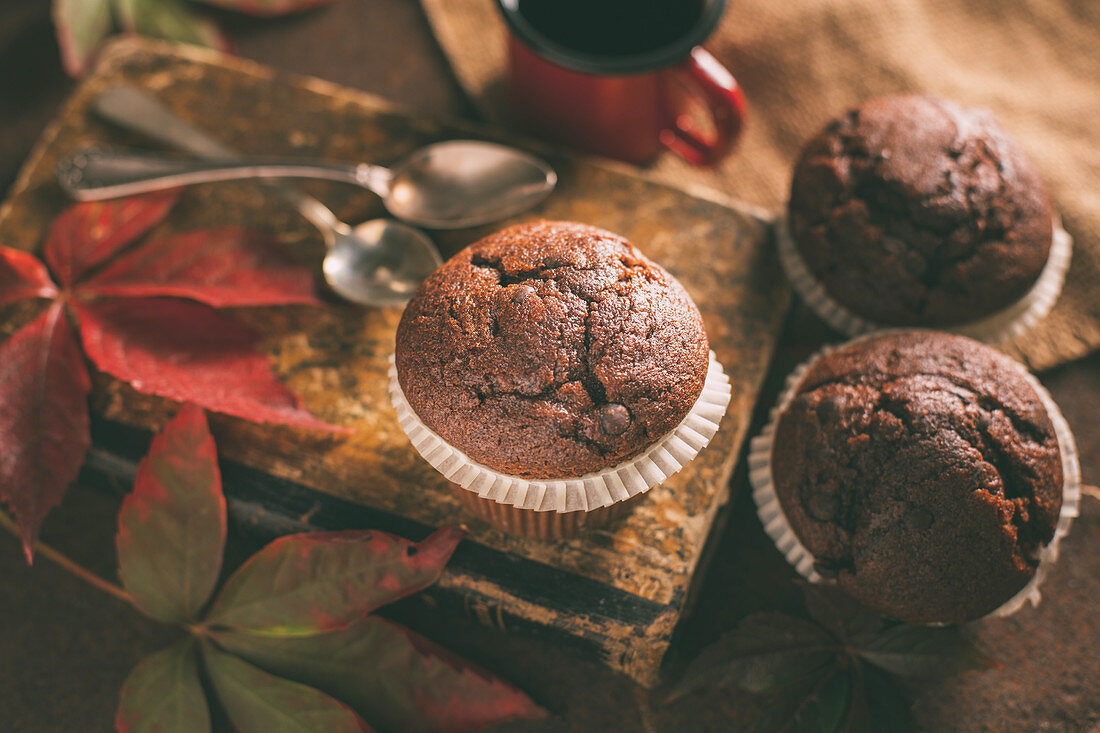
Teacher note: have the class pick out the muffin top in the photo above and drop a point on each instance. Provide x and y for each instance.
(914, 211)
(551, 350)
(922, 472)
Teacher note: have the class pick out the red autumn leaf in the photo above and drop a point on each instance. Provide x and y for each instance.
(176, 349)
(87, 234)
(171, 528)
(22, 275)
(267, 7)
(394, 678)
(259, 702)
(43, 419)
(163, 694)
(219, 267)
(311, 583)
(190, 353)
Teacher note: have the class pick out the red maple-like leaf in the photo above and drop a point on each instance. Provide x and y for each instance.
(191, 353)
(23, 276)
(161, 345)
(43, 419)
(219, 267)
(87, 234)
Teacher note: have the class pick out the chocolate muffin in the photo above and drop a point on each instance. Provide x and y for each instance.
(912, 210)
(922, 472)
(551, 350)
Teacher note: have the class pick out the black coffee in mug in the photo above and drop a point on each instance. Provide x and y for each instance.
(612, 27)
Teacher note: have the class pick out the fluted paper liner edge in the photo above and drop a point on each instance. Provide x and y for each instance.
(594, 490)
(996, 328)
(779, 530)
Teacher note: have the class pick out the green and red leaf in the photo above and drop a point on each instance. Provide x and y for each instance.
(267, 7)
(398, 680)
(190, 353)
(171, 528)
(163, 694)
(171, 20)
(308, 584)
(219, 267)
(86, 234)
(81, 27)
(43, 419)
(22, 275)
(259, 702)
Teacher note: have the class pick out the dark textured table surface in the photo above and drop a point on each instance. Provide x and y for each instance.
(65, 648)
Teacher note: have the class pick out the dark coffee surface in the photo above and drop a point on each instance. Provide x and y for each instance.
(923, 473)
(551, 350)
(612, 27)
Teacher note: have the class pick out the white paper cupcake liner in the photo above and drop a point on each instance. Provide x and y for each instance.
(585, 493)
(775, 522)
(997, 328)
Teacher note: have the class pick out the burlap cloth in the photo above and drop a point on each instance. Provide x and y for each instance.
(1035, 63)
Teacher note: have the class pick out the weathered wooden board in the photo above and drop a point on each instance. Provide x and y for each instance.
(616, 592)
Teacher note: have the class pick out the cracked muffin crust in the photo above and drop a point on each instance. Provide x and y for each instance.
(912, 210)
(922, 472)
(551, 350)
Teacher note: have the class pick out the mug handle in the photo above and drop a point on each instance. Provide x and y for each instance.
(725, 102)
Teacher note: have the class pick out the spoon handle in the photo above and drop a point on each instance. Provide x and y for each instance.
(137, 111)
(92, 175)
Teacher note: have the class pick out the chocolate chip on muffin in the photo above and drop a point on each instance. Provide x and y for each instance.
(922, 471)
(551, 350)
(912, 210)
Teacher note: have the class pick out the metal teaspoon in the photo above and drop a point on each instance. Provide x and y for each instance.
(447, 185)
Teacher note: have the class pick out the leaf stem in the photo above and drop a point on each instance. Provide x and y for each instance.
(72, 566)
(199, 630)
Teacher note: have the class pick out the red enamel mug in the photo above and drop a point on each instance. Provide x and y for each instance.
(614, 77)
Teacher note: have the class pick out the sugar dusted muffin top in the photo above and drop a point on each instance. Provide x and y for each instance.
(922, 472)
(551, 350)
(912, 210)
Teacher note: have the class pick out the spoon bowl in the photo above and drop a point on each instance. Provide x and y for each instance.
(380, 262)
(464, 183)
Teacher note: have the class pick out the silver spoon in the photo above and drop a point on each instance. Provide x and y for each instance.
(447, 185)
(378, 263)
